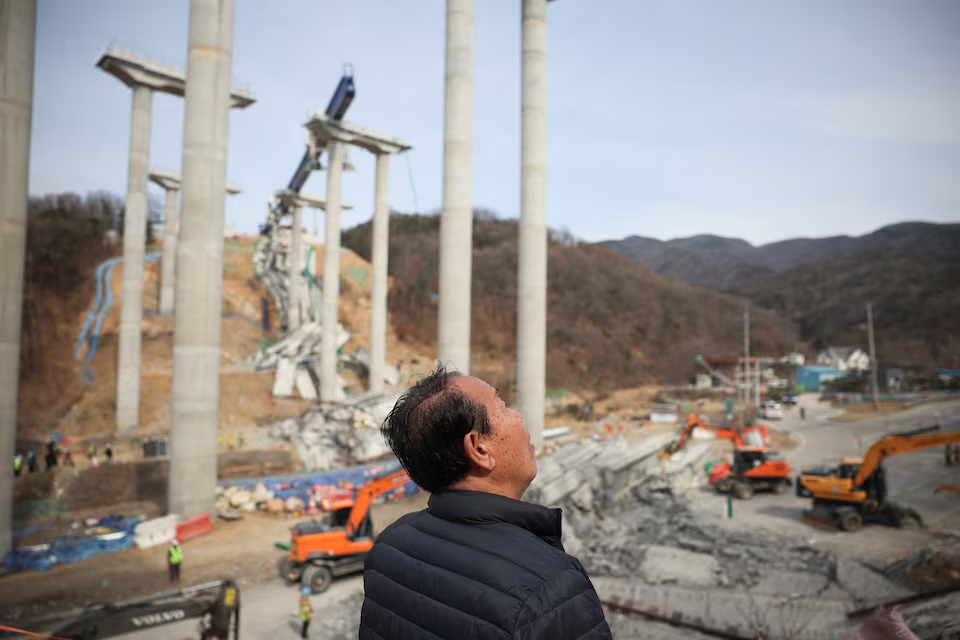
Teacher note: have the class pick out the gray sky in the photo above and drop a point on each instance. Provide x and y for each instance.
(666, 118)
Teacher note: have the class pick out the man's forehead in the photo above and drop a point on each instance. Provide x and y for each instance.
(472, 385)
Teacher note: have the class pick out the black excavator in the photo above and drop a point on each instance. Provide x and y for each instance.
(216, 605)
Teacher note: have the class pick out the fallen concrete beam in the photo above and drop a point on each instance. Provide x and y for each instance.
(737, 613)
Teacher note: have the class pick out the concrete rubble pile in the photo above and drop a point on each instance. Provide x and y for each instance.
(625, 519)
(297, 361)
(341, 435)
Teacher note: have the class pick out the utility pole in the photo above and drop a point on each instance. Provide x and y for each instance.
(873, 359)
(756, 388)
(746, 362)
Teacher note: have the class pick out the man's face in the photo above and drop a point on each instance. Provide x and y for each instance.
(509, 441)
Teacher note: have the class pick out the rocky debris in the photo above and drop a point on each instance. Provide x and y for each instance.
(625, 518)
(339, 435)
(233, 500)
(936, 619)
(867, 586)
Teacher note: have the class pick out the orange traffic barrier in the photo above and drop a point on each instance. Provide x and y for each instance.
(194, 528)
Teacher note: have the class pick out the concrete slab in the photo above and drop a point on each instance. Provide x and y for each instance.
(791, 583)
(306, 386)
(679, 566)
(284, 380)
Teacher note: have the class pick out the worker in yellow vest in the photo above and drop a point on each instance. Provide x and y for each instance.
(174, 560)
(306, 613)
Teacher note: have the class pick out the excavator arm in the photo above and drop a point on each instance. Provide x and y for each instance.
(898, 443)
(370, 492)
(217, 602)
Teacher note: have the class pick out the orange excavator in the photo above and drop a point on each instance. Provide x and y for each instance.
(321, 551)
(756, 436)
(855, 492)
(754, 466)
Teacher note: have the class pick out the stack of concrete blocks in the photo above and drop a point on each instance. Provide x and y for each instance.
(344, 434)
(155, 532)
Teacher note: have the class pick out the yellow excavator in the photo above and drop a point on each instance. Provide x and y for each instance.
(855, 492)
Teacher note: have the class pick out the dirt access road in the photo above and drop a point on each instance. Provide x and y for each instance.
(243, 550)
(911, 480)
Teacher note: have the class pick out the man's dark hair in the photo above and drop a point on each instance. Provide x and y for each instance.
(425, 429)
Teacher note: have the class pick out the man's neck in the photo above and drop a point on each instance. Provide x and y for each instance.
(486, 485)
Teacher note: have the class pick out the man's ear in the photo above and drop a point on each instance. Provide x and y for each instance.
(478, 452)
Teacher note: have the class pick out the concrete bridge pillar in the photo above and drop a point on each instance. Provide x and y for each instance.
(134, 244)
(378, 290)
(196, 337)
(168, 267)
(294, 268)
(532, 260)
(456, 219)
(18, 28)
(331, 277)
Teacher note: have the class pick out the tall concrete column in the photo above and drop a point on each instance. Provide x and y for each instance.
(18, 27)
(168, 267)
(456, 220)
(134, 244)
(532, 259)
(196, 338)
(331, 278)
(378, 292)
(294, 267)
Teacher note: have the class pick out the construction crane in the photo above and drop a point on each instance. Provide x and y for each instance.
(320, 551)
(216, 604)
(855, 492)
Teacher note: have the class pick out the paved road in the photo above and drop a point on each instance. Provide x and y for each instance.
(911, 480)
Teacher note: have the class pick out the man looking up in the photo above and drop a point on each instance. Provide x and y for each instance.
(478, 562)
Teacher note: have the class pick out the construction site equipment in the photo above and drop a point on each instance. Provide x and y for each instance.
(216, 604)
(754, 469)
(949, 488)
(754, 435)
(321, 551)
(855, 492)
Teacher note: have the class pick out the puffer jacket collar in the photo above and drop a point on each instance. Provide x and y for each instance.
(477, 507)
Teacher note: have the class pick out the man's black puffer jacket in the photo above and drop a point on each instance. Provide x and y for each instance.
(477, 565)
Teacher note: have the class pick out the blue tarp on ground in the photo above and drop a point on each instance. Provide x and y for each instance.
(73, 548)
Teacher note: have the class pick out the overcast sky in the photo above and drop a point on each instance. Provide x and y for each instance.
(666, 118)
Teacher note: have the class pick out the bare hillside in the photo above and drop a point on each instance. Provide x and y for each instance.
(612, 323)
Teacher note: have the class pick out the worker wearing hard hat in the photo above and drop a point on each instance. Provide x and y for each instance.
(174, 560)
